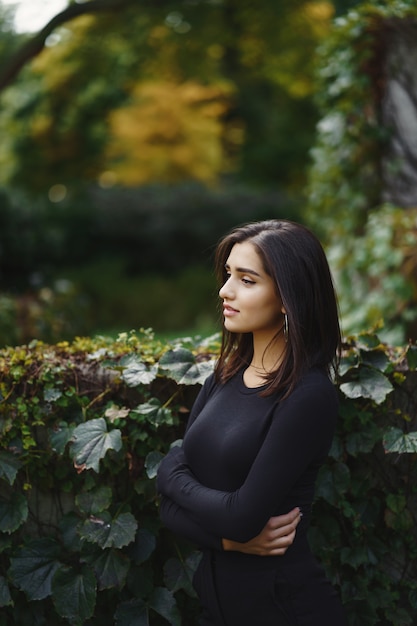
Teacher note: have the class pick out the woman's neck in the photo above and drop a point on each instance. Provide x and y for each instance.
(267, 354)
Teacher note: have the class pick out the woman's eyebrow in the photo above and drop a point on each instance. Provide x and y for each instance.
(243, 270)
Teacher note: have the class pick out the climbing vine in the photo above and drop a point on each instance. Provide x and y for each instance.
(83, 426)
(370, 242)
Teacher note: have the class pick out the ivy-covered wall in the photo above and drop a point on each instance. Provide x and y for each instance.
(82, 429)
(362, 188)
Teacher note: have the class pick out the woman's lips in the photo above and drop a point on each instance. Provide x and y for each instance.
(229, 311)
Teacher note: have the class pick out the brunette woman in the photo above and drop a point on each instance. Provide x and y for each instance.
(258, 433)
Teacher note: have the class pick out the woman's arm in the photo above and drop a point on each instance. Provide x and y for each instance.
(181, 523)
(274, 539)
(301, 431)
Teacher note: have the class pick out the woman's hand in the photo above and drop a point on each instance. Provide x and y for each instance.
(273, 540)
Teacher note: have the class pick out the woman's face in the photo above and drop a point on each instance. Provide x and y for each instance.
(250, 302)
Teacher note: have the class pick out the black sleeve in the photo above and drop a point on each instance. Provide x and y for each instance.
(175, 517)
(300, 432)
(181, 523)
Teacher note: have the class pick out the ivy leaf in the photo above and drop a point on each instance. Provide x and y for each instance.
(395, 440)
(69, 527)
(412, 357)
(114, 413)
(179, 574)
(368, 341)
(90, 442)
(336, 450)
(399, 616)
(153, 412)
(357, 556)
(13, 512)
(110, 567)
(370, 383)
(163, 602)
(362, 441)
(5, 597)
(152, 462)
(74, 594)
(401, 522)
(181, 366)
(377, 359)
(33, 567)
(396, 502)
(94, 501)
(51, 394)
(413, 598)
(5, 542)
(59, 436)
(9, 466)
(108, 532)
(145, 543)
(137, 372)
(332, 482)
(132, 613)
(347, 363)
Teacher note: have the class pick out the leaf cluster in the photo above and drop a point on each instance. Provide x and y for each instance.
(66, 122)
(345, 177)
(369, 241)
(365, 511)
(83, 426)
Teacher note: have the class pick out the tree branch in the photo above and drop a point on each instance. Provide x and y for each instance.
(35, 44)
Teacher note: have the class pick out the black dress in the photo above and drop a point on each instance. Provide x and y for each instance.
(244, 459)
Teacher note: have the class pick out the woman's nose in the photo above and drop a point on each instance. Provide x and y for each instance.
(225, 291)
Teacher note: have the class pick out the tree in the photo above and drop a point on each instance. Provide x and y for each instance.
(250, 52)
(36, 43)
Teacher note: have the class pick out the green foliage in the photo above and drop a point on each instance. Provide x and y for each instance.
(84, 265)
(369, 243)
(83, 426)
(345, 176)
(57, 114)
(365, 516)
(9, 40)
(375, 274)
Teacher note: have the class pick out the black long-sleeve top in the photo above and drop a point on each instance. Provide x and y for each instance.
(246, 458)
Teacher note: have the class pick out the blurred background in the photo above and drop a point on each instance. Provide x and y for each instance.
(134, 135)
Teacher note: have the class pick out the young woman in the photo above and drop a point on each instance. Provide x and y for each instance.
(258, 433)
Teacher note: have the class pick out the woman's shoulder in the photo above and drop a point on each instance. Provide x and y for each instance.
(314, 398)
(316, 382)
(208, 386)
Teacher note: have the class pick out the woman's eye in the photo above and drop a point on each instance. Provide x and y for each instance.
(247, 281)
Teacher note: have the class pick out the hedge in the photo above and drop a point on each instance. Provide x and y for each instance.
(83, 426)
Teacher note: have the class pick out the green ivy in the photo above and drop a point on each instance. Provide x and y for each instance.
(371, 246)
(344, 177)
(83, 427)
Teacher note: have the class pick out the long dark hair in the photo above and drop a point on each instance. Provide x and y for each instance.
(294, 258)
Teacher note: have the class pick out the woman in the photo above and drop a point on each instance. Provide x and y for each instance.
(258, 433)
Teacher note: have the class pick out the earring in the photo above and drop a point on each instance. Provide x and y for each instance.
(286, 327)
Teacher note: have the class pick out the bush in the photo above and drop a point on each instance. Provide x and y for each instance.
(101, 298)
(153, 229)
(129, 258)
(82, 429)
